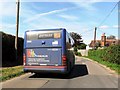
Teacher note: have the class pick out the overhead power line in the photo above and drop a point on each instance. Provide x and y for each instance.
(107, 17)
(87, 31)
(109, 14)
(103, 19)
(104, 32)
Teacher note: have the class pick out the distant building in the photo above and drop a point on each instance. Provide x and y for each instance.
(104, 42)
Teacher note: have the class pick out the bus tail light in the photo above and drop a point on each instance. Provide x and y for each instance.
(24, 59)
(64, 59)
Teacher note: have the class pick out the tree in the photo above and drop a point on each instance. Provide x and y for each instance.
(82, 46)
(77, 38)
(111, 37)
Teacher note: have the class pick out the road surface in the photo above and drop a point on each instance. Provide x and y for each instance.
(85, 74)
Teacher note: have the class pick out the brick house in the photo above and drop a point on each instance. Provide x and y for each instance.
(105, 41)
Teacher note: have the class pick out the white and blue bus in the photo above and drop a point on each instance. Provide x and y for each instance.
(48, 50)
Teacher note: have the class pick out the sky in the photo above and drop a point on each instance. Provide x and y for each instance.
(79, 16)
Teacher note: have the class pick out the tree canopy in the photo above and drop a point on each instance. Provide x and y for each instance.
(77, 38)
(82, 46)
(111, 37)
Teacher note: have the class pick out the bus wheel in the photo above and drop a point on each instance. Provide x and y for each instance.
(37, 74)
(70, 67)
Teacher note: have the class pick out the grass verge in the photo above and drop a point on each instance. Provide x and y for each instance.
(8, 73)
(112, 66)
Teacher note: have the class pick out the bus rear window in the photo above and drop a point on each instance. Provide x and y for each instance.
(48, 35)
(40, 35)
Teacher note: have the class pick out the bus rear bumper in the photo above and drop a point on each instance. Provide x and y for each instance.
(46, 69)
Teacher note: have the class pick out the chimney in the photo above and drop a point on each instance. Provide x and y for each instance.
(103, 40)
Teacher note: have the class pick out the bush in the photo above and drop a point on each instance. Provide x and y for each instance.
(8, 50)
(114, 54)
(110, 54)
(75, 49)
(82, 46)
(78, 53)
(79, 47)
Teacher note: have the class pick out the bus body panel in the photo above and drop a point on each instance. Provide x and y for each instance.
(44, 51)
(63, 42)
(44, 43)
(43, 56)
(42, 69)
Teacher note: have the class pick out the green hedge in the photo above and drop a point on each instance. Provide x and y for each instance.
(75, 49)
(82, 46)
(78, 53)
(8, 50)
(110, 54)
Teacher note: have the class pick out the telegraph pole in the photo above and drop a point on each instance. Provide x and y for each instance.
(95, 36)
(17, 25)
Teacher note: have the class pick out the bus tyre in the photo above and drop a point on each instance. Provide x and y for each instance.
(70, 67)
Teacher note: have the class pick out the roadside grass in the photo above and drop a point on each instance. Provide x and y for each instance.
(11, 72)
(113, 66)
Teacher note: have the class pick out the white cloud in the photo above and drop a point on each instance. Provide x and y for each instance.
(37, 16)
(68, 17)
(59, 0)
(21, 35)
(36, 7)
(78, 27)
(104, 27)
(116, 26)
(7, 1)
(103, 0)
(53, 23)
(8, 9)
(1, 28)
(26, 11)
(88, 5)
(8, 26)
(109, 27)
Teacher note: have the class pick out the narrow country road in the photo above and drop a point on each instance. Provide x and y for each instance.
(85, 74)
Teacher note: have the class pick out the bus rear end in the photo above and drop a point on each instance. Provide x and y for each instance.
(43, 51)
